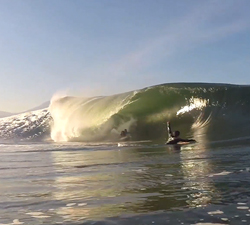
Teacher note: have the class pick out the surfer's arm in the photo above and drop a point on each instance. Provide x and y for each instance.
(187, 140)
(170, 134)
(179, 140)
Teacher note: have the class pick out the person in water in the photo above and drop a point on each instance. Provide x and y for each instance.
(124, 133)
(174, 137)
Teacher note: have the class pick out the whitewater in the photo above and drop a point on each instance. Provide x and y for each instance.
(66, 164)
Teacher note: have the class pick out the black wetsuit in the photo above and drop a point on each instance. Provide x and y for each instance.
(172, 140)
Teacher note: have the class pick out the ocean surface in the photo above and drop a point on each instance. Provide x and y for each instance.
(66, 164)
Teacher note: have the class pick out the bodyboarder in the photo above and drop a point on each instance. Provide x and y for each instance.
(174, 137)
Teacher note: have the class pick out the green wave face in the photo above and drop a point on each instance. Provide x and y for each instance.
(217, 111)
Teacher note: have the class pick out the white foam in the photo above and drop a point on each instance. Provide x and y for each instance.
(220, 174)
(215, 212)
(35, 213)
(242, 207)
(168, 175)
(15, 125)
(41, 217)
(16, 221)
(209, 224)
(70, 204)
(82, 204)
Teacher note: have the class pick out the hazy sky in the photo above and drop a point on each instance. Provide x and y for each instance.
(102, 47)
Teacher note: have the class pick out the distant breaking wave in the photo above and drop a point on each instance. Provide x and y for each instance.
(202, 111)
(34, 126)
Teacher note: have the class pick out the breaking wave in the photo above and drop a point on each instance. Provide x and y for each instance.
(201, 111)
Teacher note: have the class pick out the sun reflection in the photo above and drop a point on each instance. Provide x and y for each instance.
(80, 192)
(194, 103)
(196, 167)
(195, 174)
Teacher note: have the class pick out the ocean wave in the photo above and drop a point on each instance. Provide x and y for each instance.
(200, 111)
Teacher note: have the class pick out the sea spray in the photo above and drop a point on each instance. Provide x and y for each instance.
(88, 119)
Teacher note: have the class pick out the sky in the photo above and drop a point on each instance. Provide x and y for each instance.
(103, 47)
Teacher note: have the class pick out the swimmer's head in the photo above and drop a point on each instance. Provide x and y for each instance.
(176, 133)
